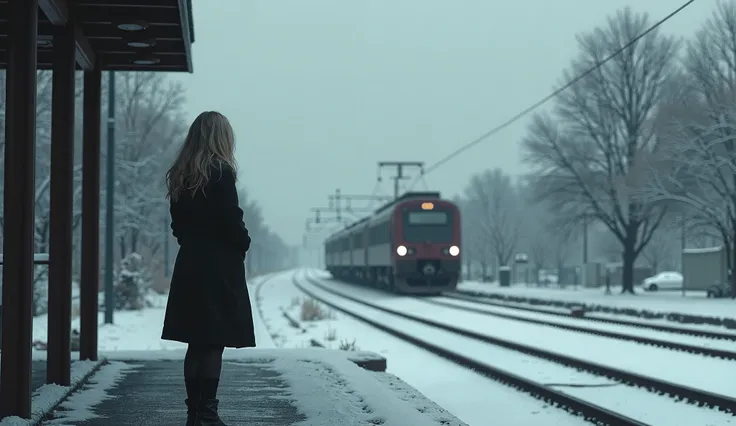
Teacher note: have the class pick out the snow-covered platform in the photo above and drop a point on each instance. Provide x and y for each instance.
(265, 387)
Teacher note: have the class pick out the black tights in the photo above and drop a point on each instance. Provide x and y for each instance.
(203, 362)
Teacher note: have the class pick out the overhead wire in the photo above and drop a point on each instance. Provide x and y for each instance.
(552, 95)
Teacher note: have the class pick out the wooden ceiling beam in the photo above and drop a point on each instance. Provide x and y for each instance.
(57, 12)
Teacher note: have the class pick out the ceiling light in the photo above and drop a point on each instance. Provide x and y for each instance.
(133, 25)
(146, 60)
(141, 43)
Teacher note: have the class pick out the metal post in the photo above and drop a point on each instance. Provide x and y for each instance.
(682, 252)
(110, 196)
(584, 269)
(399, 176)
(337, 204)
(89, 285)
(399, 171)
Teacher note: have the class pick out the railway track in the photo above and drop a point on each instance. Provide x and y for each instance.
(637, 324)
(572, 404)
(695, 349)
(589, 410)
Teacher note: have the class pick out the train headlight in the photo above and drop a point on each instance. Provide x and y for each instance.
(401, 250)
(454, 250)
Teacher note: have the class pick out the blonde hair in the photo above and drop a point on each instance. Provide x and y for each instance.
(210, 142)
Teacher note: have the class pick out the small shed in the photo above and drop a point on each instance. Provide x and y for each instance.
(703, 267)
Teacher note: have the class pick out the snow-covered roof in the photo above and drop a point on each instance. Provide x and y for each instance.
(703, 250)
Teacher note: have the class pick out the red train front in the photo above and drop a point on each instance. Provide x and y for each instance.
(426, 245)
(410, 245)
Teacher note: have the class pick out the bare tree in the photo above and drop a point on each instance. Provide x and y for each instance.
(697, 161)
(475, 247)
(661, 251)
(494, 204)
(589, 164)
(549, 245)
(470, 253)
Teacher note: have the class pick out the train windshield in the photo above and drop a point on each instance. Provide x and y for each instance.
(424, 226)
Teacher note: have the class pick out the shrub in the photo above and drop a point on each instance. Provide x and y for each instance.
(348, 346)
(331, 335)
(312, 311)
(132, 283)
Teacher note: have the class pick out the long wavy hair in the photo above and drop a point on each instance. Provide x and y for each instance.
(210, 142)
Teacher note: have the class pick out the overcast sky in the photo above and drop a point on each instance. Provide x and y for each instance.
(319, 91)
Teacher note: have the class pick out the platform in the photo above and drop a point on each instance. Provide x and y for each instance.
(259, 387)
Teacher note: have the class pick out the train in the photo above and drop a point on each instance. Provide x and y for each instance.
(410, 245)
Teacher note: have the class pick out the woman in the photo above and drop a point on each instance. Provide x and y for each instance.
(208, 305)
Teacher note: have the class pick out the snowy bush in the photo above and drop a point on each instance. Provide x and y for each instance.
(346, 345)
(132, 284)
(312, 311)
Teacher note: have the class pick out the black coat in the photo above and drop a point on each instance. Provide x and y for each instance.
(208, 299)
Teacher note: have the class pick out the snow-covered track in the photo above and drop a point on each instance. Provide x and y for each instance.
(259, 286)
(638, 324)
(695, 349)
(681, 392)
(591, 412)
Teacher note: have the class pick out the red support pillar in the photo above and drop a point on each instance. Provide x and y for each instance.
(90, 282)
(61, 206)
(20, 167)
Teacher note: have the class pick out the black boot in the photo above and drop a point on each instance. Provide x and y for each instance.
(207, 415)
(192, 409)
(207, 412)
(192, 401)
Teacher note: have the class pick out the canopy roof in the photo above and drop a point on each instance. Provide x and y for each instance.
(116, 32)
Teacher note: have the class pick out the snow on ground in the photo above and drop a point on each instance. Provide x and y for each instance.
(471, 397)
(139, 330)
(130, 333)
(78, 407)
(712, 374)
(637, 403)
(362, 398)
(403, 302)
(706, 342)
(331, 372)
(510, 306)
(661, 301)
(131, 330)
(48, 396)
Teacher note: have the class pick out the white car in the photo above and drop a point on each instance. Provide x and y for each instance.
(663, 281)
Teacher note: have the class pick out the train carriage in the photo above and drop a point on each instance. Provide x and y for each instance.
(410, 245)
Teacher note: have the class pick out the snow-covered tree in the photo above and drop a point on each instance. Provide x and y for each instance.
(268, 252)
(150, 131)
(696, 160)
(591, 154)
(494, 212)
(132, 283)
(475, 248)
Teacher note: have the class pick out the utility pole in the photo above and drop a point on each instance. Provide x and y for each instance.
(400, 171)
(335, 202)
(683, 241)
(337, 208)
(110, 195)
(584, 269)
(337, 198)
